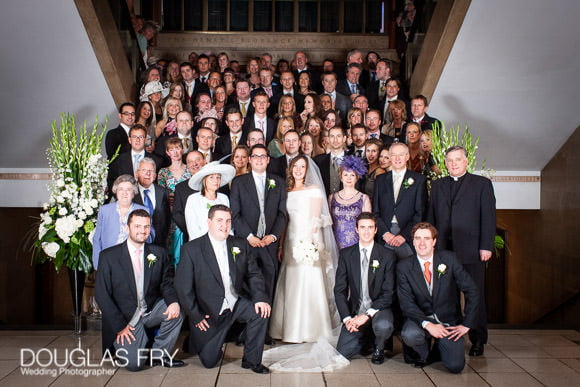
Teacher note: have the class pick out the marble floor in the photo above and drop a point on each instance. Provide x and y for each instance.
(512, 358)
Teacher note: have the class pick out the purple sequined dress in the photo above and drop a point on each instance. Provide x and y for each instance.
(344, 221)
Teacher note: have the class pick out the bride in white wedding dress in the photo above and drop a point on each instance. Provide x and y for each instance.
(304, 310)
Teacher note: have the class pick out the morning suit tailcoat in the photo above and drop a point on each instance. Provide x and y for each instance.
(250, 124)
(245, 207)
(180, 196)
(381, 281)
(223, 144)
(200, 287)
(410, 206)
(116, 292)
(324, 162)
(418, 305)
(114, 138)
(465, 221)
(342, 104)
(161, 214)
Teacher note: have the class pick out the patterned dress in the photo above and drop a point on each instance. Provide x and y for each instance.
(166, 179)
(344, 220)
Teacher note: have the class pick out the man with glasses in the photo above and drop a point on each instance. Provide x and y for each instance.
(128, 162)
(119, 136)
(258, 203)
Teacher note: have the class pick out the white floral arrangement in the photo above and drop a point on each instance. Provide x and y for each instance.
(79, 173)
(305, 252)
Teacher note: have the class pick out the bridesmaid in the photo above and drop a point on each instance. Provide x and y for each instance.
(348, 203)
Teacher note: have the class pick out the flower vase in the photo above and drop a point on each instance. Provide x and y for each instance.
(77, 285)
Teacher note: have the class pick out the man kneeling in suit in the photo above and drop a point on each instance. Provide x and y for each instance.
(134, 289)
(219, 282)
(428, 286)
(364, 292)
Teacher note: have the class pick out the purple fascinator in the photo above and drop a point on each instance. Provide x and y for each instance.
(355, 164)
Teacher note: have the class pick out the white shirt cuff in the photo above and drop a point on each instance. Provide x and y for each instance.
(371, 312)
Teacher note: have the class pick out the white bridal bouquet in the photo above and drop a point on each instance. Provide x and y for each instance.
(305, 252)
(79, 173)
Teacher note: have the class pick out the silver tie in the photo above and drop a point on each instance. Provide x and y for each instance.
(364, 284)
(262, 220)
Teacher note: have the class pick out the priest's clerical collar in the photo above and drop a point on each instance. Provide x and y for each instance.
(456, 178)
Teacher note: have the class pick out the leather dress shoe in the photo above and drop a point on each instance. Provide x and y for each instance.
(420, 363)
(476, 350)
(269, 341)
(409, 354)
(378, 356)
(259, 368)
(169, 363)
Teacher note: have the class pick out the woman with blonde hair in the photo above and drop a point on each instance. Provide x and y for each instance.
(397, 115)
(167, 126)
(276, 146)
(241, 159)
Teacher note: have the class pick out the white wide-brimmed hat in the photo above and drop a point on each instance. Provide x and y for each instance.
(154, 87)
(227, 171)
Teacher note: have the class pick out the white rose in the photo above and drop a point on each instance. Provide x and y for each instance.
(41, 231)
(45, 218)
(82, 215)
(94, 203)
(411, 180)
(59, 199)
(89, 211)
(78, 223)
(65, 227)
(60, 183)
(62, 211)
(50, 249)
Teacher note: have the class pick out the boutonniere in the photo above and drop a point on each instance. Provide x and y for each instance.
(151, 258)
(409, 182)
(235, 251)
(375, 265)
(271, 183)
(208, 205)
(441, 269)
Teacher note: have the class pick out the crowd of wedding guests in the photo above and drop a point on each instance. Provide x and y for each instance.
(223, 176)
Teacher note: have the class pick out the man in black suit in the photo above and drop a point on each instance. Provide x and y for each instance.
(279, 165)
(127, 163)
(302, 65)
(134, 289)
(204, 140)
(195, 162)
(351, 86)
(377, 89)
(258, 202)
(341, 102)
(155, 198)
(419, 106)
(462, 207)
(120, 135)
(399, 202)
(184, 123)
(288, 88)
(272, 91)
(364, 292)
(328, 163)
(191, 85)
(241, 99)
(428, 286)
(259, 119)
(224, 145)
(219, 282)
(373, 122)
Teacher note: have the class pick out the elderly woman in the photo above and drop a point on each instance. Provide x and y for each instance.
(241, 159)
(276, 146)
(167, 126)
(348, 203)
(207, 182)
(112, 220)
(372, 148)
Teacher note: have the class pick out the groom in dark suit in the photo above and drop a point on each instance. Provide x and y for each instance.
(258, 202)
(428, 286)
(364, 292)
(134, 289)
(462, 207)
(399, 202)
(219, 282)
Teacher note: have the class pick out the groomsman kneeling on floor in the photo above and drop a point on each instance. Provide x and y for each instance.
(364, 292)
(428, 286)
(219, 282)
(134, 289)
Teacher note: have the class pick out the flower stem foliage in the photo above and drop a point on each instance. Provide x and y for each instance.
(77, 191)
